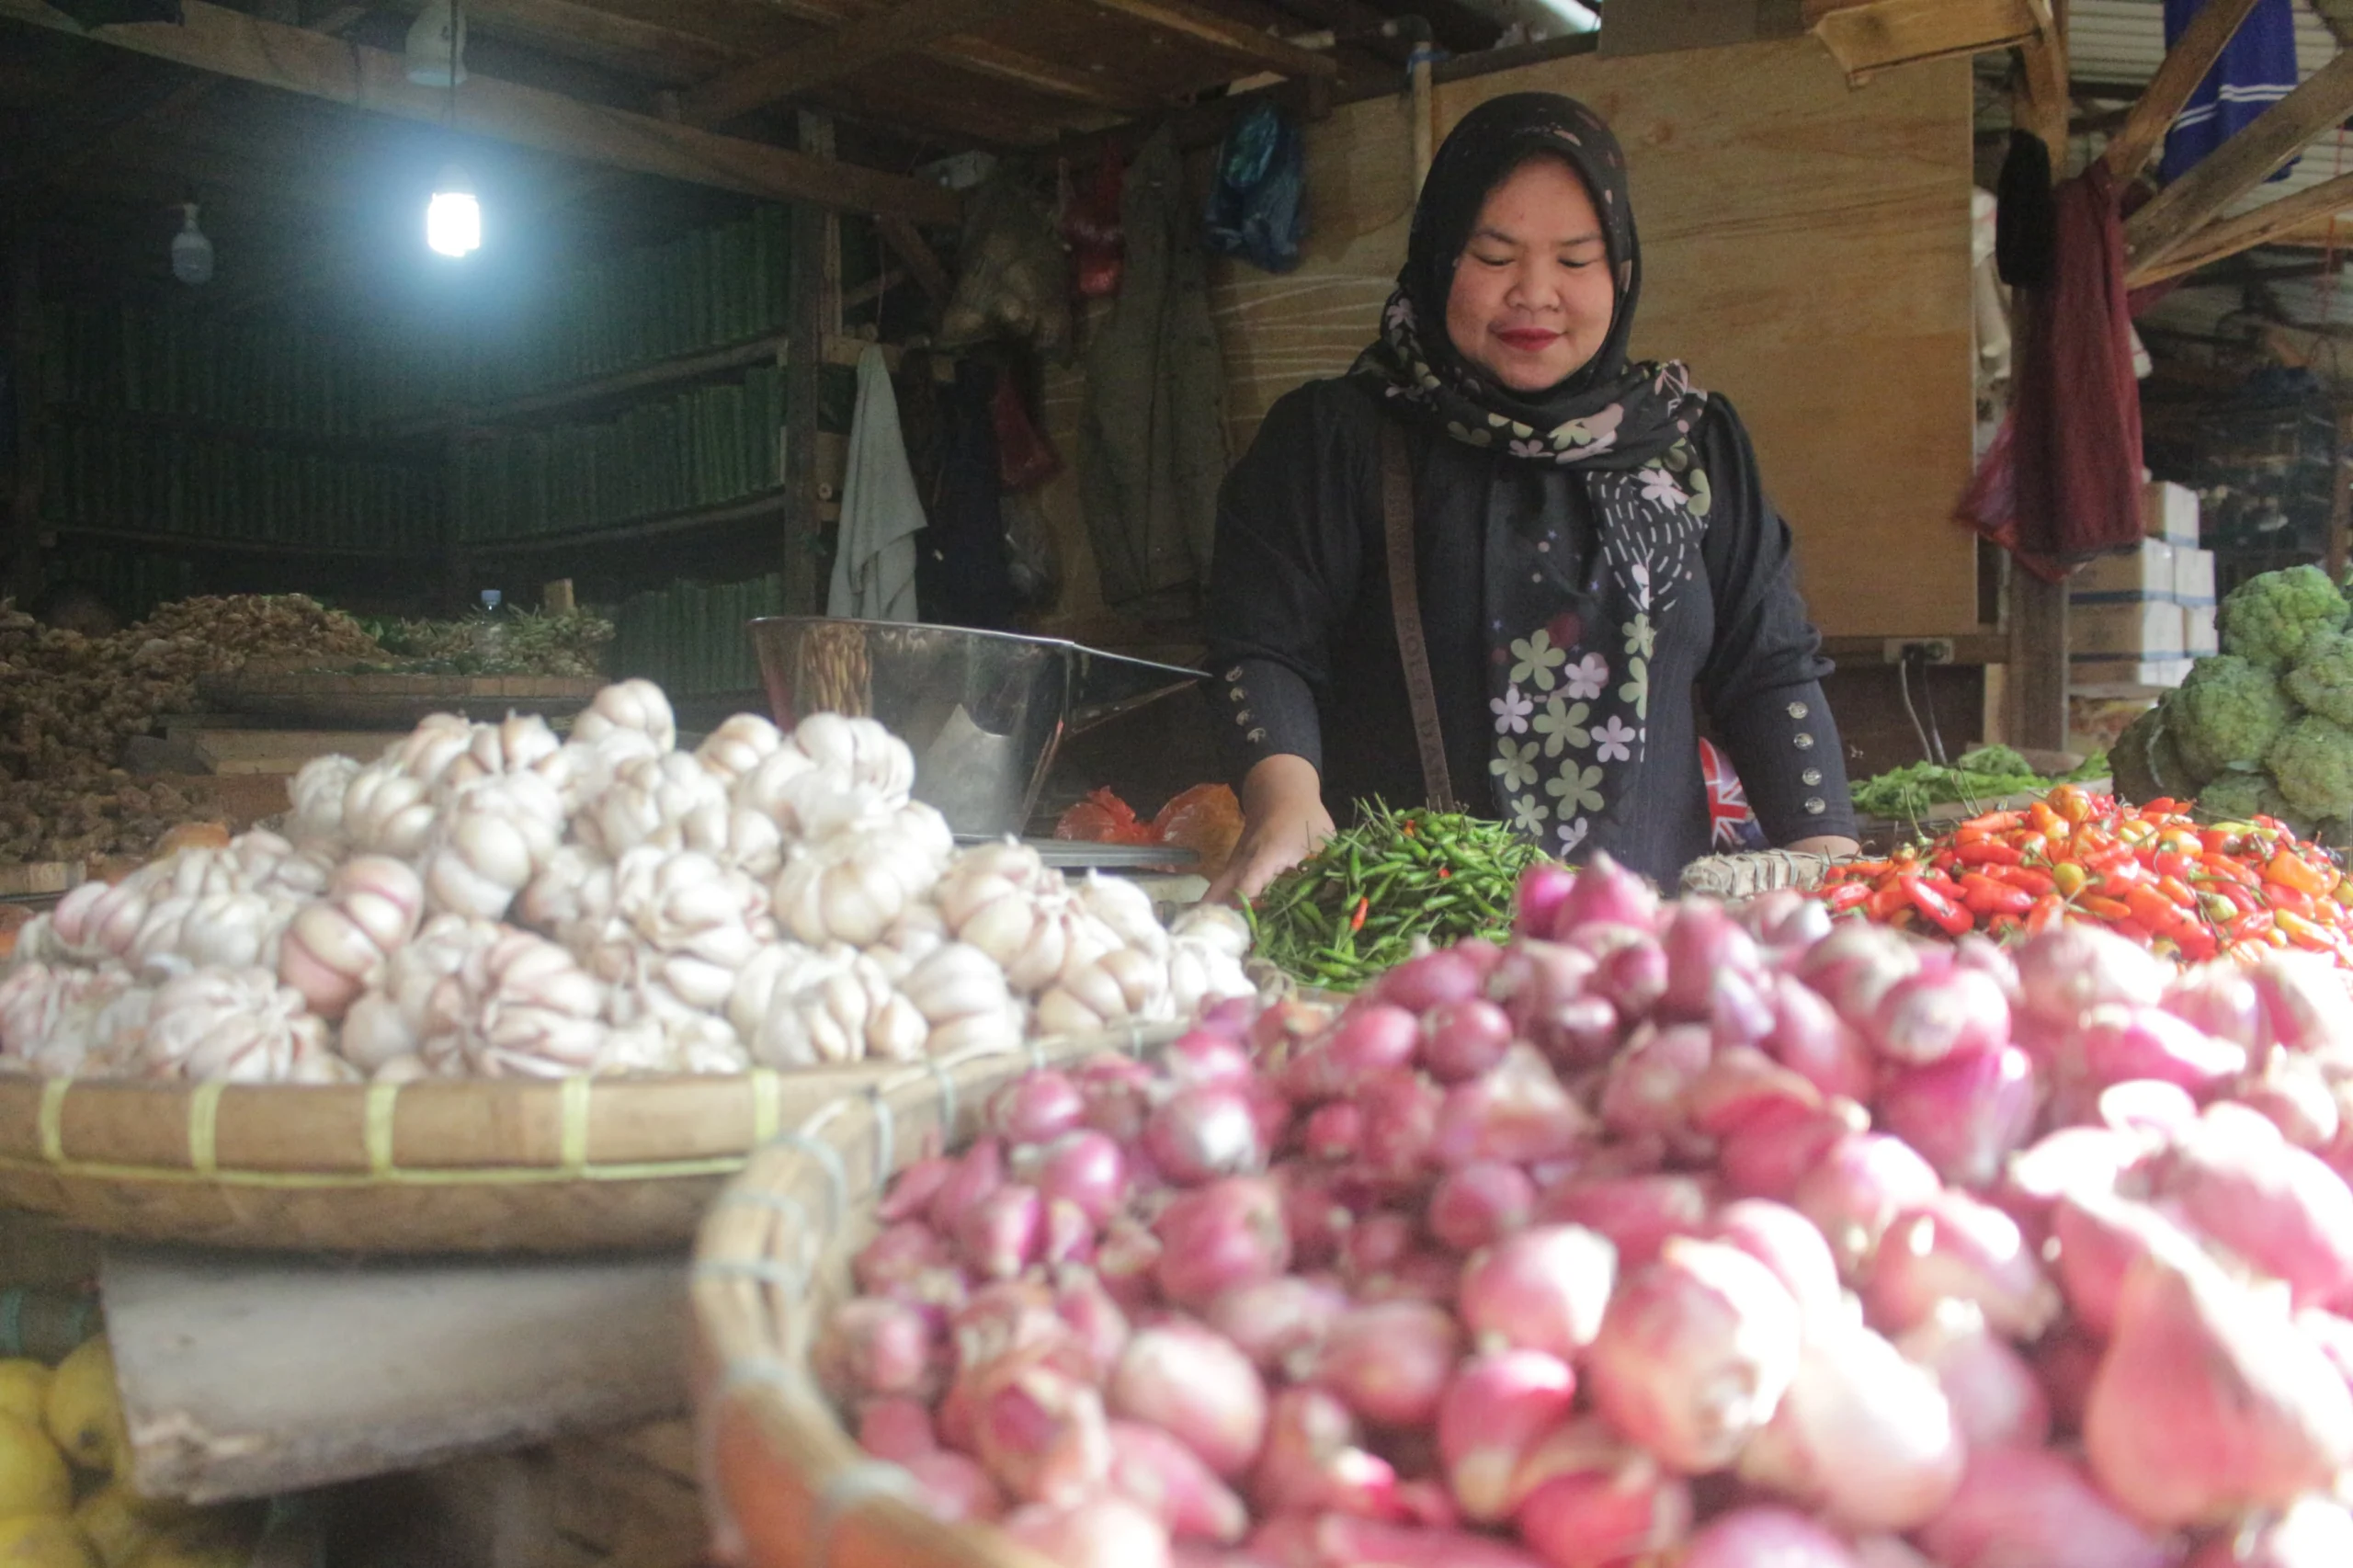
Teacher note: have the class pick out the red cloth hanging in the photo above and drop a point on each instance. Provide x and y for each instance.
(2062, 481)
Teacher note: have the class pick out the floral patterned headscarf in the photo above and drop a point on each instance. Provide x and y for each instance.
(1611, 414)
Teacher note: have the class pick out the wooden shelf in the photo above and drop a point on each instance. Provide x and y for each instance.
(200, 544)
(244, 434)
(620, 384)
(598, 389)
(744, 509)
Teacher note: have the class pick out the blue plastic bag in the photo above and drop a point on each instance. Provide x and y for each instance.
(1257, 206)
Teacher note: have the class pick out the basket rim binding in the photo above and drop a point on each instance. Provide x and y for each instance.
(759, 1250)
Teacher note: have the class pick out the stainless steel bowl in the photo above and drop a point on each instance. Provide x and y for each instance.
(984, 711)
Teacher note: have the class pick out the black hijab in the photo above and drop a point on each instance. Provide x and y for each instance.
(1612, 415)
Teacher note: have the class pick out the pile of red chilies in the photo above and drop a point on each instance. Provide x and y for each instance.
(2151, 873)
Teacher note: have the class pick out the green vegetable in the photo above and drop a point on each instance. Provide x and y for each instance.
(2236, 797)
(2268, 620)
(2226, 714)
(2312, 764)
(2322, 678)
(1986, 774)
(527, 643)
(1354, 907)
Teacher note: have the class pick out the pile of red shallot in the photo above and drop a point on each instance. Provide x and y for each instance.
(1668, 1234)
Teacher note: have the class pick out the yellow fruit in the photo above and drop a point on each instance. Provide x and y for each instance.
(23, 1389)
(82, 1413)
(36, 1541)
(33, 1477)
(119, 1524)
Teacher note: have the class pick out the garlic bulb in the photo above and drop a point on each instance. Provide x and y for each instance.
(1125, 908)
(772, 976)
(520, 744)
(655, 1031)
(49, 1018)
(95, 921)
(1125, 983)
(583, 770)
(225, 930)
(740, 743)
(915, 935)
(387, 811)
(847, 1013)
(668, 801)
(428, 752)
(1009, 903)
(681, 918)
(530, 1011)
(850, 885)
(414, 1013)
(492, 835)
(860, 752)
(637, 705)
(573, 893)
(1206, 945)
(240, 1026)
(317, 794)
(962, 993)
(339, 946)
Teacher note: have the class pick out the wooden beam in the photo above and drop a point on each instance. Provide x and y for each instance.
(23, 562)
(2186, 64)
(212, 38)
(1204, 26)
(671, 55)
(846, 49)
(921, 263)
(2227, 237)
(1868, 36)
(2241, 164)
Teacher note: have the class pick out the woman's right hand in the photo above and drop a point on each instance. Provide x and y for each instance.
(1282, 819)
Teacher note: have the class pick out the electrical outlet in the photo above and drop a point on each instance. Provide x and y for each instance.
(1927, 650)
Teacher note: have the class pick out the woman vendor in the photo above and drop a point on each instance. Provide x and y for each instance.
(1591, 547)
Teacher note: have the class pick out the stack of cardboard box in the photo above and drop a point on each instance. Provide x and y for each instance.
(2136, 621)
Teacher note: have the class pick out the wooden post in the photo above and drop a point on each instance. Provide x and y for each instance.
(24, 379)
(2036, 689)
(816, 297)
(2340, 504)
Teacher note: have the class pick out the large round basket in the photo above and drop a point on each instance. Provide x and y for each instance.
(442, 1166)
(786, 1485)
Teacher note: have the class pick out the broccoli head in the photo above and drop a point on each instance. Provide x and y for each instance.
(2322, 678)
(2267, 619)
(2228, 711)
(2312, 764)
(2238, 797)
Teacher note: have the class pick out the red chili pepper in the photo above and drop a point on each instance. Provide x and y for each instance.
(1443, 873)
(2113, 911)
(2153, 909)
(1885, 902)
(1848, 897)
(1983, 895)
(2179, 890)
(1364, 907)
(1987, 852)
(2025, 878)
(1948, 917)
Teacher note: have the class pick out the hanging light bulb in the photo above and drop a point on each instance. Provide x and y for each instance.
(437, 45)
(191, 250)
(454, 218)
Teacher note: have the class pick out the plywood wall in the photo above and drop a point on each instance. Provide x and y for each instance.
(1806, 249)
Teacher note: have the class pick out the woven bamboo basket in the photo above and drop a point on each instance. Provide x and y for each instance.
(441, 1166)
(785, 1484)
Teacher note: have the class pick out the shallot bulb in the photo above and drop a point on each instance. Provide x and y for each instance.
(1193, 1383)
(1100, 1532)
(2022, 1507)
(1762, 1537)
(1545, 1289)
(1862, 1435)
(1494, 1412)
(1695, 1354)
(2209, 1404)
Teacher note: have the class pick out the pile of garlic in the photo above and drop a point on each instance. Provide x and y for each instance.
(497, 900)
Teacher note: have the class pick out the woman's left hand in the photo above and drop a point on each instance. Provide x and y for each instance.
(1835, 848)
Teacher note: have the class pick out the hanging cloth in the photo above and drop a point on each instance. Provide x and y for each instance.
(2257, 68)
(874, 565)
(1152, 430)
(2062, 482)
